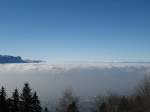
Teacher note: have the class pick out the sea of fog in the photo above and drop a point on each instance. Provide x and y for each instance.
(86, 80)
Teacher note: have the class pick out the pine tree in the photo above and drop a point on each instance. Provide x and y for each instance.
(36, 103)
(26, 96)
(15, 101)
(103, 107)
(123, 106)
(67, 101)
(72, 107)
(3, 101)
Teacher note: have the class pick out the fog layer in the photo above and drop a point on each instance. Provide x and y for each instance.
(87, 80)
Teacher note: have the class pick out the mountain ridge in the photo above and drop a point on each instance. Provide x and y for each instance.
(16, 59)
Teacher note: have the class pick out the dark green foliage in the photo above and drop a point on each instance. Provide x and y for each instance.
(72, 107)
(3, 101)
(124, 105)
(27, 102)
(68, 102)
(103, 107)
(15, 104)
(36, 103)
(26, 98)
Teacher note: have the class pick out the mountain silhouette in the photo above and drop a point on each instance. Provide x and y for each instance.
(15, 59)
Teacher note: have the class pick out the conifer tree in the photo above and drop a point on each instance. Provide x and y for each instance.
(72, 107)
(26, 97)
(3, 100)
(103, 107)
(67, 101)
(15, 101)
(36, 103)
(123, 106)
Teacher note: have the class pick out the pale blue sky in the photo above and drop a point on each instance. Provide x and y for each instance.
(76, 30)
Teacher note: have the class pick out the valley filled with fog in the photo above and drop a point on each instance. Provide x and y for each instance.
(86, 80)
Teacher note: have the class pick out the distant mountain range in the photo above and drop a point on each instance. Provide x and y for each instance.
(15, 59)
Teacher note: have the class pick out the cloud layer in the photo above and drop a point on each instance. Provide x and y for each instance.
(86, 79)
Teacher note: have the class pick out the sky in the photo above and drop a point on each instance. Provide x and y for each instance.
(76, 30)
